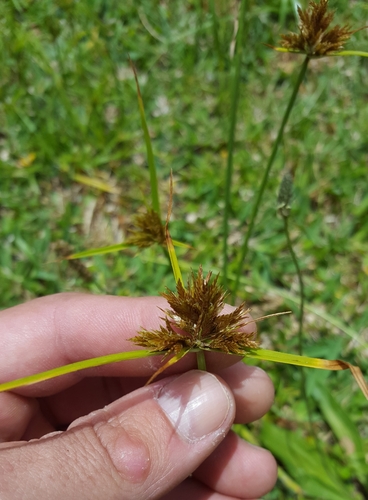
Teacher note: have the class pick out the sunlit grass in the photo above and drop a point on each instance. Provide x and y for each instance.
(69, 106)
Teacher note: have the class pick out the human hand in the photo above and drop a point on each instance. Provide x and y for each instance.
(99, 434)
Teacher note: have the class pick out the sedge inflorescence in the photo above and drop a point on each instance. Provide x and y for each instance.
(147, 231)
(194, 321)
(314, 38)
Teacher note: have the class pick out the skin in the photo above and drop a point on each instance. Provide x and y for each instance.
(100, 433)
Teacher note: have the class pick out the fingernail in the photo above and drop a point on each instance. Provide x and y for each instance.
(196, 403)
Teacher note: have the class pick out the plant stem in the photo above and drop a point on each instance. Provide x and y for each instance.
(233, 117)
(266, 174)
(215, 32)
(201, 361)
(301, 284)
(150, 157)
(300, 321)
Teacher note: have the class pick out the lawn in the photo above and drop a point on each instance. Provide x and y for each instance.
(73, 172)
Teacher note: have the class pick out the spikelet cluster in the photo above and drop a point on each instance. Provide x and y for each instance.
(147, 231)
(194, 321)
(314, 37)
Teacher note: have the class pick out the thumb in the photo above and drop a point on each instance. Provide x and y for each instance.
(140, 446)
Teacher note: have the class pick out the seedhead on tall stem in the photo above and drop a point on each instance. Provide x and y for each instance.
(314, 38)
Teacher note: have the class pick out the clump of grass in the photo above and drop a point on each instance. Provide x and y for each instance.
(47, 145)
(313, 41)
(237, 61)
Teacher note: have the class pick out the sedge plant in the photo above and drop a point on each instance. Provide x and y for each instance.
(148, 228)
(235, 90)
(196, 281)
(194, 323)
(315, 40)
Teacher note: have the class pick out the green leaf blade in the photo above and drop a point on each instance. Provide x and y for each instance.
(74, 367)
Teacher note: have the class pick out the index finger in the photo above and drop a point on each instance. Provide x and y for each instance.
(61, 329)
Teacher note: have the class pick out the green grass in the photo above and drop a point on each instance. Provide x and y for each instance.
(67, 95)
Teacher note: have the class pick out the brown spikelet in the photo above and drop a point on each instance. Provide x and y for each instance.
(314, 39)
(194, 321)
(148, 230)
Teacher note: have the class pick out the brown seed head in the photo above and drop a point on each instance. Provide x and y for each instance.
(314, 39)
(148, 230)
(194, 321)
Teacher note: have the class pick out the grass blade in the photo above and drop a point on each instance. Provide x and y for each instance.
(74, 367)
(321, 364)
(95, 183)
(170, 246)
(99, 251)
(231, 140)
(316, 474)
(342, 53)
(171, 362)
(147, 140)
(344, 429)
(283, 476)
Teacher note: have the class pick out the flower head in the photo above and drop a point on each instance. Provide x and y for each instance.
(148, 230)
(194, 321)
(314, 38)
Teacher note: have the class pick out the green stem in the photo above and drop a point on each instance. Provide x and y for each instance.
(148, 143)
(199, 22)
(301, 285)
(300, 322)
(215, 32)
(201, 361)
(151, 163)
(266, 174)
(233, 117)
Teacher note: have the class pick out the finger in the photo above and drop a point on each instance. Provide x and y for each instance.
(29, 418)
(16, 412)
(253, 391)
(252, 388)
(238, 469)
(191, 488)
(61, 329)
(21, 418)
(142, 445)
